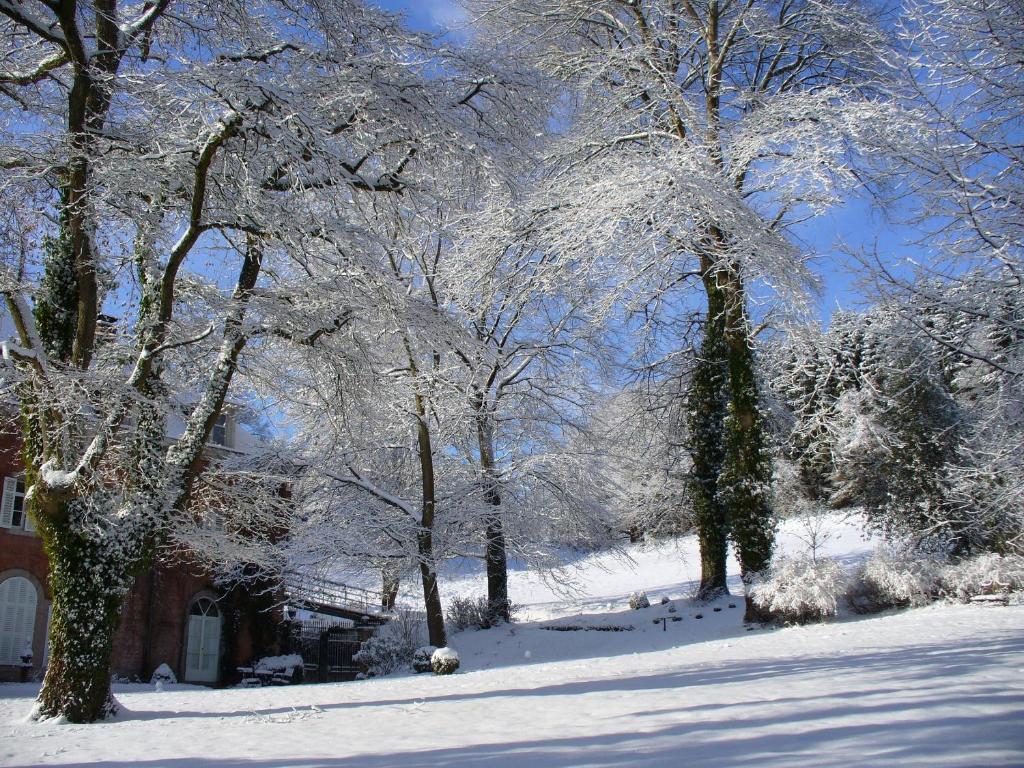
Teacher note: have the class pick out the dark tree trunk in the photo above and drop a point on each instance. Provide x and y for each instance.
(495, 554)
(706, 408)
(498, 606)
(89, 581)
(425, 541)
(390, 583)
(431, 597)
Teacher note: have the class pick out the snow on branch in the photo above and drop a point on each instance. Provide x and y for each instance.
(20, 15)
(357, 481)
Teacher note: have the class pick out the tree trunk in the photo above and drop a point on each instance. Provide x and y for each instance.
(389, 587)
(89, 581)
(431, 597)
(498, 607)
(746, 468)
(706, 415)
(495, 554)
(95, 549)
(425, 541)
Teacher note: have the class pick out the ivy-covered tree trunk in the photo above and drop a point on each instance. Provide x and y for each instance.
(731, 464)
(90, 577)
(745, 479)
(706, 407)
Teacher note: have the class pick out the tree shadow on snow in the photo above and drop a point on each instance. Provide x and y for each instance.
(821, 729)
(726, 743)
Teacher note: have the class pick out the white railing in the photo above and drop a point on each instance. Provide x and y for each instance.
(312, 591)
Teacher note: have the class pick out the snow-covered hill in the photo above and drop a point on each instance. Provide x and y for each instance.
(938, 686)
(602, 582)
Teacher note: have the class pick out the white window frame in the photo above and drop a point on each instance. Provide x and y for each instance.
(11, 497)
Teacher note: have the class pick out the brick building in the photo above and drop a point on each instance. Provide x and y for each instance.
(174, 615)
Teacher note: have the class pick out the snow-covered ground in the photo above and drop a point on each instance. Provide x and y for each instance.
(938, 686)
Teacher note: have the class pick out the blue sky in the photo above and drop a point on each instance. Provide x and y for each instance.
(425, 14)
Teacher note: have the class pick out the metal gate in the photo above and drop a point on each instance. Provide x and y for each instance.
(326, 650)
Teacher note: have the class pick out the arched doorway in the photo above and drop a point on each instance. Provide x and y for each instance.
(202, 651)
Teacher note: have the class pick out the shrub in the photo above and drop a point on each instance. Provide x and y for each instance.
(987, 574)
(800, 590)
(892, 580)
(408, 628)
(638, 600)
(380, 655)
(394, 645)
(163, 674)
(474, 612)
(444, 661)
(421, 659)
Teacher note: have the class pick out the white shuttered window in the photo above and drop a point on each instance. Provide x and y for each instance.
(12, 507)
(17, 618)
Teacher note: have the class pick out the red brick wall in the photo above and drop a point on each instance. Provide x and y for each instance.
(152, 630)
(21, 554)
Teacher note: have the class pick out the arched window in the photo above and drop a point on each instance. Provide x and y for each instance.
(17, 618)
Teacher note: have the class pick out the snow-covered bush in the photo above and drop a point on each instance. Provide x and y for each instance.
(474, 612)
(638, 600)
(394, 645)
(987, 574)
(444, 661)
(800, 590)
(163, 674)
(421, 659)
(893, 580)
(381, 655)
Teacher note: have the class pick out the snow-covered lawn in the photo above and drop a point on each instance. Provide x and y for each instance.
(938, 686)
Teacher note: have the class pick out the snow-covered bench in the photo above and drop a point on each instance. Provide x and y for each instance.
(272, 670)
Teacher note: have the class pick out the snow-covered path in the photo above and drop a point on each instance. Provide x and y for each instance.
(937, 686)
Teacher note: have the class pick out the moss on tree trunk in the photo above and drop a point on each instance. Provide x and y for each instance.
(745, 479)
(706, 406)
(731, 462)
(89, 581)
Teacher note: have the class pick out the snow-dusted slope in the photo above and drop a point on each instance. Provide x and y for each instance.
(603, 582)
(939, 686)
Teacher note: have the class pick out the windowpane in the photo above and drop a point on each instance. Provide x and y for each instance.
(219, 434)
(18, 516)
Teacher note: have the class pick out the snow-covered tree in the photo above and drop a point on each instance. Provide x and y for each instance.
(965, 71)
(702, 130)
(962, 189)
(902, 423)
(471, 368)
(639, 464)
(525, 312)
(174, 166)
